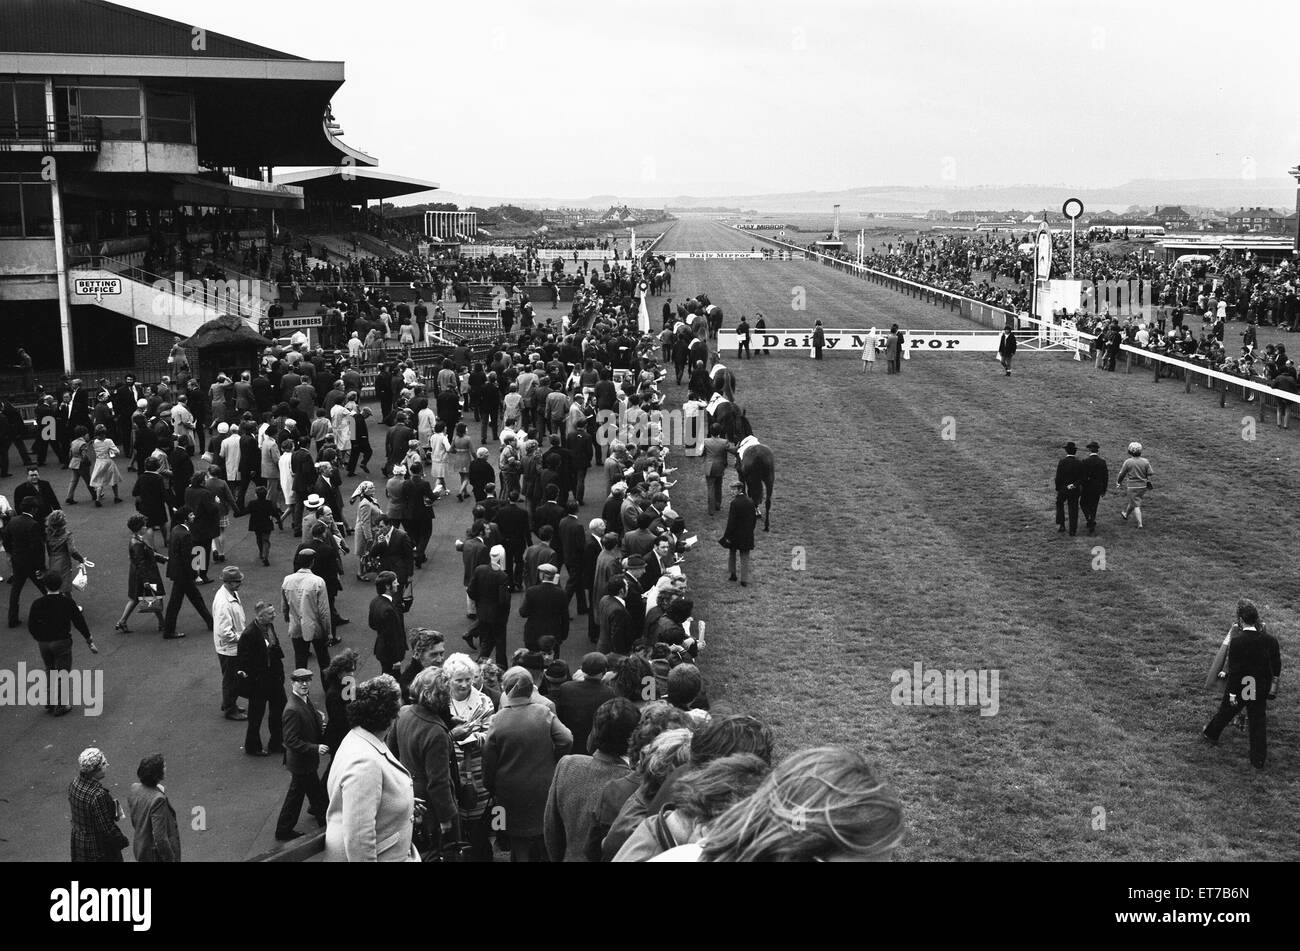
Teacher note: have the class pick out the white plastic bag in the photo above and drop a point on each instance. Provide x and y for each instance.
(81, 579)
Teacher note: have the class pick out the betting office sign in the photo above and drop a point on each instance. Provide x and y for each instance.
(799, 341)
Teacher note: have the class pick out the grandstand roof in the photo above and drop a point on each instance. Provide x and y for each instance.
(253, 106)
(353, 184)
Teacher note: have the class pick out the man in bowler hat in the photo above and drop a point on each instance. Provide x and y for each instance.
(1094, 477)
(1068, 480)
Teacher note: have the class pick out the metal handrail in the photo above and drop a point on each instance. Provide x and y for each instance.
(135, 273)
(86, 131)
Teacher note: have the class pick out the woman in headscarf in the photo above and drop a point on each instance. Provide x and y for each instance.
(470, 714)
(95, 833)
(366, 524)
(105, 473)
(61, 552)
(526, 741)
(489, 589)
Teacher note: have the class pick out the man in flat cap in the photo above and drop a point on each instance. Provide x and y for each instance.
(545, 607)
(303, 727)
(1094, 476)
(1069, 477)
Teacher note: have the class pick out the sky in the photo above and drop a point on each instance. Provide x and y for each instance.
(713, 97)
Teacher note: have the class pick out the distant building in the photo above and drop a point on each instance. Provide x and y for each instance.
(938, 214)
(1260, 219)
(1171, 215)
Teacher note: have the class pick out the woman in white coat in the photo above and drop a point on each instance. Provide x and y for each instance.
(286, 472)
(372, 808)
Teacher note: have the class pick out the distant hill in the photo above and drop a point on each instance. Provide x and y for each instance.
(1206, 192)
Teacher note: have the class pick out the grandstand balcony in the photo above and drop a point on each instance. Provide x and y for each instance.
(77, 134)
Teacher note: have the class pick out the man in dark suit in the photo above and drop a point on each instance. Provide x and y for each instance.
(577, 701)
(549, 513)
(303, 468)
(616, 636)
(512, 522)
(640, 541)
(79, 407)
(546, 607)
(302, 727)
(387, 622)
(738, 536)
(541, 553)
(36, 488)
(24, 539)
(657, 562)
(1094, 477)
(1069, 479)
(206, 525)
(13, 431)
(183, 552)
(1254, 664)
(397, 442)
(260, 671)
(395, 551)
(473, 552)
(572, 538)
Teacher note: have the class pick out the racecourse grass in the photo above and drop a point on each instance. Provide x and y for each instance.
(945, 552)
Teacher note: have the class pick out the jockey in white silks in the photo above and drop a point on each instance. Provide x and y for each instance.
(716, 400)
(746, 444)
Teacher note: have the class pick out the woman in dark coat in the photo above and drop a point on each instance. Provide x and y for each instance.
(420, 738)
(739, 533)
(481, 474)
(143, 573)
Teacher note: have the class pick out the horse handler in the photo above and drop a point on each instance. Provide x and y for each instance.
(738, 536)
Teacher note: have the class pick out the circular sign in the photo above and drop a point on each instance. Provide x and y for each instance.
(1072, 208)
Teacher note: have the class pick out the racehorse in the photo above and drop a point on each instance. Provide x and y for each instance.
(757, 469)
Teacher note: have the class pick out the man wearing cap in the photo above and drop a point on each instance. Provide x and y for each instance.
(543, 552)
(228, 623)
(546, 607)
(577, 701)
(306, 606)
(302, 729)
(738, 536)
(1094, 477)
(388, 623)
(1069, 480)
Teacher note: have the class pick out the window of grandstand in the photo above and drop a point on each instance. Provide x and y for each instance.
(25, 210)
(169, 117)
(22, 109)
(115, 102)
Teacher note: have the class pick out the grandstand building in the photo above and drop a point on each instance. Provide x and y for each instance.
(139, 153)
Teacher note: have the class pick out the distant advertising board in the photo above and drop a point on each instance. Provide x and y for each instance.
(799, 341)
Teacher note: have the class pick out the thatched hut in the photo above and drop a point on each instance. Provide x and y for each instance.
(225, 345)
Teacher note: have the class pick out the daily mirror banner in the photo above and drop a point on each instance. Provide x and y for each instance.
(799, 342)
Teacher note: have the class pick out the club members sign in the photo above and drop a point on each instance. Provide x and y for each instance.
(799, 341)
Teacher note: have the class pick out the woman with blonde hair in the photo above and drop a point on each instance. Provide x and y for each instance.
(105, 474)
(824, 804)
(471, 712)
(61, 551)
(1138, 468)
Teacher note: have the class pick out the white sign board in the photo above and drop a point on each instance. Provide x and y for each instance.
(799, 341)
(296, 323)
(96, 287)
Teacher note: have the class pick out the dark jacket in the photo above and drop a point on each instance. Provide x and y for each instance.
(1069, 472)
(25, 541)
(576, 703)
(180, 550)
(572, 541)
(489, 589)
(390, 632)
(616, 634)
(512, 520)
(262, 666)
(546, 608)
(302, 736)
(419, 738)
(1094, 477)
(741, 519)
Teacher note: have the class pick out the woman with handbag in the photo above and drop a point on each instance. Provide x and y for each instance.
(143, 579)
(95, 833)
(61, 552)
(366, 527)
(105, 474)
